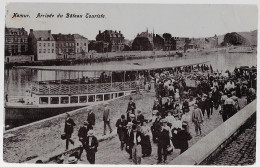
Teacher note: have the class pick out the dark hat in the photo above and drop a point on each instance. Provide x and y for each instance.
(123, 116)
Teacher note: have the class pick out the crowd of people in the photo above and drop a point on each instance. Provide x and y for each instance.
(176, 108)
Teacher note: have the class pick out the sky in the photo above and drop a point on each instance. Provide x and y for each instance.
(179, 20)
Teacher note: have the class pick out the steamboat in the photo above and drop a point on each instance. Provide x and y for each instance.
(93, 85)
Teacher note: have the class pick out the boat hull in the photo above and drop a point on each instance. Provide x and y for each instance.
(15, 117)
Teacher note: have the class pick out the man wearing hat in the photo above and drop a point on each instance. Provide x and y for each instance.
(91, 146)
(140, 117)
(128, 142)
(69, 125)
(183, 137)
(197, 119)
(163, 142)
(91, 117)
(121, 129)
(157, 106)
(131, 106)
(106, 118)
(83, 134)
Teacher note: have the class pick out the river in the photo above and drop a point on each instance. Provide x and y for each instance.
(18, 80)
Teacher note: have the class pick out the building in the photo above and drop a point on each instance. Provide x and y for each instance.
(158, 42)
(113, 38)
(65, 45)
(41, 44)
(16, 41)
(143, 41)
(81, 44)
(179, 43)
(98, 46)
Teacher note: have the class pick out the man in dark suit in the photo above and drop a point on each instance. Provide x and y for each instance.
(91, 117)
(129, 144)
(130, 108)
(69, 124)
(163, 138)
(83, 134)
(91, 147)
(183, 137)
(140, 117)
(121, 130)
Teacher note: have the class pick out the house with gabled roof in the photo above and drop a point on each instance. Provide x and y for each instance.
(41, 44)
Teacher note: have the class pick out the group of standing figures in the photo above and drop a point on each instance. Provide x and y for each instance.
(171, 120)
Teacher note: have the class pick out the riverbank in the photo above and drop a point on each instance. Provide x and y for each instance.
(113, 56)
(43, 137)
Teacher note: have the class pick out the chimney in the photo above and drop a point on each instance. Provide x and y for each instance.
(115, 31)
(49, 31)
(31, 30)
(119, 32)
(99, 32)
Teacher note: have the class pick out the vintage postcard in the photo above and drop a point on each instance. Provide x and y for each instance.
(100, 83)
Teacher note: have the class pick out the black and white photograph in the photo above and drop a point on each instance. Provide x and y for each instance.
(129, 83)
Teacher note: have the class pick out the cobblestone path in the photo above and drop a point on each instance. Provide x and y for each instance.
(241, 151)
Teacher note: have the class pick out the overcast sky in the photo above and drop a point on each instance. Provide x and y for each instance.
(179, 20)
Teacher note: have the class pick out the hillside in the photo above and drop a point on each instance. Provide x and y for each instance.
(246, 38)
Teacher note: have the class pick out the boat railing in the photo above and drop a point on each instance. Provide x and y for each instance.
(83, 88)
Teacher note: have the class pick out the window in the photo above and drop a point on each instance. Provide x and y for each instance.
(107, 97)
(52, 50)
(44, 44)
(48, 44)
(91, 98)
(52, 44)
(99, 98)
(49, 50)
(44, 50)
(44, 100)
(85, 44)
(77, 44)
(82, 99)
(120, 94)
(64, 100)
(55, 100)
(74, 99)
(114, 95)
(40, 51)
(40, 44)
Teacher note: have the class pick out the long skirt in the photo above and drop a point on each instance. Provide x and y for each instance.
(146, 145)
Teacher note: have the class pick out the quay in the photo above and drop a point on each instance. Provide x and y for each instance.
(39, 137)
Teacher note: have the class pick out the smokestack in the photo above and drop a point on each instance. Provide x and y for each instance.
(99, 31)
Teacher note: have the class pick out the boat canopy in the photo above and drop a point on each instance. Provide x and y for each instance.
(118, 67)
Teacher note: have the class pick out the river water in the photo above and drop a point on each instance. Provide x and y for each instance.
(18, 80)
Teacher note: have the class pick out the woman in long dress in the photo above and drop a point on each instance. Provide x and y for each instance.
(146, 143)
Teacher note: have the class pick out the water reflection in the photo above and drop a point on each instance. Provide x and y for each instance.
(18, 80)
